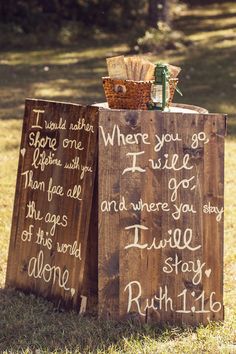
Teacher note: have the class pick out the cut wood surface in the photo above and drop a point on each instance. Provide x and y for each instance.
(161, 187)
(54, 190)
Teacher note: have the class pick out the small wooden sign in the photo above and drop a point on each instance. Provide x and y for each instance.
(54, 191)
(161, 187)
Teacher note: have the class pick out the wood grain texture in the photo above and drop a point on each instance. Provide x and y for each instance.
(35, 263)
(90, 284)
(181, 279)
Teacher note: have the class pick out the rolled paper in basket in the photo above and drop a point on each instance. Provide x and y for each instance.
(172, 85)
(116, 67)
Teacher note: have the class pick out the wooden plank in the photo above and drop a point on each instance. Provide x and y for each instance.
(214, 198)
(108, 258)
(51, 217)
(130, 261)
(160, 241)
(90, 286)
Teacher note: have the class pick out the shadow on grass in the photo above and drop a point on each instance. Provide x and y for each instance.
(28, 322)
(66, 74)
(209, 80)
(73, 74)
(78, 83)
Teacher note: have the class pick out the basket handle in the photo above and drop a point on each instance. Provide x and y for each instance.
(118, 88)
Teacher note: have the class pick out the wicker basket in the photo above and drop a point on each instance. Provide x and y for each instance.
(128, 94)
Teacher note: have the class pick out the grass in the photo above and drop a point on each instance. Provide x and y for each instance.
(29, 324)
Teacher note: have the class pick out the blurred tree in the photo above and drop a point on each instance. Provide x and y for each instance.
(57, 18)
(159, 11)
(100, 13)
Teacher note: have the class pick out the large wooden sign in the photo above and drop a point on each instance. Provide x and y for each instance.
(54, 191)
(161, 216)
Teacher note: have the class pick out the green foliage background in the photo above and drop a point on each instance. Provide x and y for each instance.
(65, 21)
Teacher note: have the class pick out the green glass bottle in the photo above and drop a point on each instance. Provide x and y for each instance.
(160, 88)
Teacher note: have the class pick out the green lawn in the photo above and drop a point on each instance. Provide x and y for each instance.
(208, 79)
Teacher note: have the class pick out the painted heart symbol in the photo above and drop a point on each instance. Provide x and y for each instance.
(23, 151)
(72, 290)
(208, 272)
